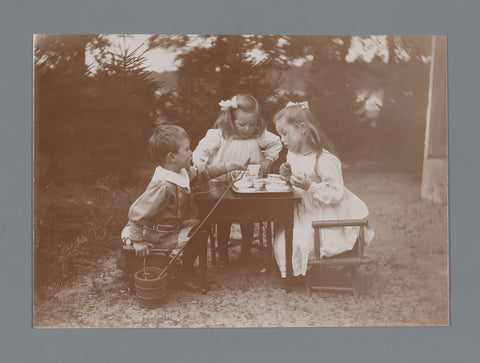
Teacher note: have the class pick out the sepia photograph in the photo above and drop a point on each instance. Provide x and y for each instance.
(229, 181)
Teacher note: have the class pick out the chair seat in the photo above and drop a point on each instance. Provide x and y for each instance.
(160, 251)
(345, 261)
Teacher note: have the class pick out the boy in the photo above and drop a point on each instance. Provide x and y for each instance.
(160, 216)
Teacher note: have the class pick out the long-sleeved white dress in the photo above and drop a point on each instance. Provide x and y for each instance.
(214, 148)
(325, 200)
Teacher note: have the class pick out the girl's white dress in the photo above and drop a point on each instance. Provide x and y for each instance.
(214, 148)
(327, 199)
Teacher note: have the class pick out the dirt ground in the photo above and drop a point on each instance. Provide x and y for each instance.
(407, 285)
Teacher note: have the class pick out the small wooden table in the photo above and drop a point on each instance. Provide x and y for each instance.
(245, 208)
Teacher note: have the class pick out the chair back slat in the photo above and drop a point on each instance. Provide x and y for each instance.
(316, 240)
(317, 225)
(361, 241)
(340, 223)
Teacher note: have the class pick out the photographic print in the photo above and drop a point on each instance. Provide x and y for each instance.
(194, 181)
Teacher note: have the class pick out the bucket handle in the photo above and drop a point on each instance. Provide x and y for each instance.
(154, 251)
(145, 273)
(145, 266)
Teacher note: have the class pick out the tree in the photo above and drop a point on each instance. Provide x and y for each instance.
(89, 123)
(398, 69)
(125, 106)
(332, 94)
(401, 131)
(217, 67)
(60, 78)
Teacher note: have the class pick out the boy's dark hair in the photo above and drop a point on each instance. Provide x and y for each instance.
(165, 139)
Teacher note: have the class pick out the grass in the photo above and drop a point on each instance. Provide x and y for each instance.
(406, 286)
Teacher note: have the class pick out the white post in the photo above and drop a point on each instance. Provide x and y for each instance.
(435, 161)
(429, 103)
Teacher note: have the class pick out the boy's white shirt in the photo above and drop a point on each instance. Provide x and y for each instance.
(181, 179)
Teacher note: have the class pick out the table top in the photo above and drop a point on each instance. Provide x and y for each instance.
(240, 208)
(213, 190)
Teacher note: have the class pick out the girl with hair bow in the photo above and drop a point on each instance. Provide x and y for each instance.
(239, 133)
(316, 175)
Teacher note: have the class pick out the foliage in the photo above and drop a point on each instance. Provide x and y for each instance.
(332, 95)
(90, 124)
(60, 76)
(125, 107)
(76, 225)
(401, 132)
(333, 87)
(216, 68)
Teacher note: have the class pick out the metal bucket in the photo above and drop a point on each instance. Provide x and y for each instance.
(151, 290)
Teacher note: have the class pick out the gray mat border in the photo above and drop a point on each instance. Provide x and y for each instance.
(19, 20)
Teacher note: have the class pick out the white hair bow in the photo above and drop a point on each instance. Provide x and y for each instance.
(303, 105)
(225, 105)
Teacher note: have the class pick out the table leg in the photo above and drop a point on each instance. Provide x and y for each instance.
(202, 261)
(269, 245)
(213, 244)
(247, 237)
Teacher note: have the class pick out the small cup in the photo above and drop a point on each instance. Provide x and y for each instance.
(276, 181)
(253, 170)
(258, 184)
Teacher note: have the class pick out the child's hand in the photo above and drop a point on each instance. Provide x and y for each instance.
(265, 166)
(141, 248)
(231, 166)
(301, 181)
(285, 171)
(315, 178)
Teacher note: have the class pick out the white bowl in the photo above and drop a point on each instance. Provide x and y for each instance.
(276, 181)
(243, 183)
(277, 188)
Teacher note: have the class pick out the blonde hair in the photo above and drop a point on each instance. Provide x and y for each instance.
(295, 115)
(246, 103)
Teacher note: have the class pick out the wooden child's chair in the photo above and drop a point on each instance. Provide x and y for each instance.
(349, 261)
